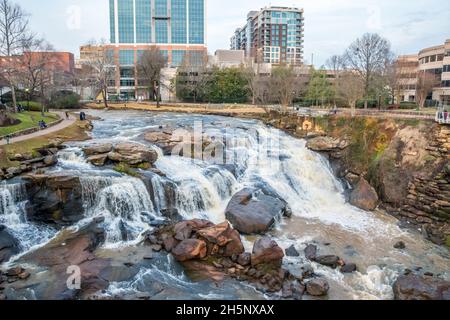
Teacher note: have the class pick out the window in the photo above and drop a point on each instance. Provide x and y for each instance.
(126, 21)
(126, 57)
(178, 21)
(177, 57)
(112, 21)
(160, 8)
(196, 21)
(127, 83)
(446, 68)
(143, 21)
(127, 72)
(161, 30)
(446, 84)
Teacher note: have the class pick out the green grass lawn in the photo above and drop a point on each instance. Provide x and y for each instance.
(28, 120)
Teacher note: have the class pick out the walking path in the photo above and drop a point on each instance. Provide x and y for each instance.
(64, 124)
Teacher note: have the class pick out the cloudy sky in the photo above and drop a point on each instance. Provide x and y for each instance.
(330, 25)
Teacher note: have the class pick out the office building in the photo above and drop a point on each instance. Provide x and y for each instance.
(176, 27)
(434, 60)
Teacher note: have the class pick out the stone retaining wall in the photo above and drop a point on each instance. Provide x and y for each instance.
(32, 130)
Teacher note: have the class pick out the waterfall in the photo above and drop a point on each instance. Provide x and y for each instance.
(13, 200)
(159, 193)
(124, 203)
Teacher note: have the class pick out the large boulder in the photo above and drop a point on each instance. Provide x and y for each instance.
(266, 251)
(133, 154)
(414, 287)
(96, 149)
(163, 138)
(364, 196)
(222, 240)
(60, 258)
(331, 261)
(190, 249)
(9, 246)
(256, 210)
(317, 287)
(326, 144)
(54, 198)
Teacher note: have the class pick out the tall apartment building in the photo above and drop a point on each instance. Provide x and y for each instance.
(176, 27)
(434, 60)
(272, 35)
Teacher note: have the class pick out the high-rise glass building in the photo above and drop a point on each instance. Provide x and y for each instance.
(272, 35)
(176, 27)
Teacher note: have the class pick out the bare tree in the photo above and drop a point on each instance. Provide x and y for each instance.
(101, 71)
(35, 70)
(368, 56)
(149, 69)
(283, 84)
(350, 88)
(426, 81)
(336, 64)
(13, 33)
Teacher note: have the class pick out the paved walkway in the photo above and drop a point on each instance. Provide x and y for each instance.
(64, 124)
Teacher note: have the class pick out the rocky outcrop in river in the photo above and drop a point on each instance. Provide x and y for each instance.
(55, 198)
(209, 251)
(256, 210)
(129, 153)
(9, 246)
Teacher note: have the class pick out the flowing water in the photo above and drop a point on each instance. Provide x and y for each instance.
(256, 155)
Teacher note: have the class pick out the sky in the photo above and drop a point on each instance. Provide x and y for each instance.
(330, 25)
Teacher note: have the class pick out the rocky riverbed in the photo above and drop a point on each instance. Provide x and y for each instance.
(147, 210)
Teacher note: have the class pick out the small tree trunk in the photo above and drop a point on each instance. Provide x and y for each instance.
(158, 95)
(105, 99)
(366, 104)
(14, 99)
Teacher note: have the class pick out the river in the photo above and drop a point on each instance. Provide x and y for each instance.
(261, 155)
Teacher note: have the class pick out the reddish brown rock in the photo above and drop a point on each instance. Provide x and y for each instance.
(224, 236)
(364, 196)
(267, 251)
(190, 249)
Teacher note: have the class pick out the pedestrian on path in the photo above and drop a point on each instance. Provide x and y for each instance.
(67, 115)
(7, 138)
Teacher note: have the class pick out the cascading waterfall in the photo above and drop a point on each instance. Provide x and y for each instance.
(13, 200)
(201, 190)
(124, 203)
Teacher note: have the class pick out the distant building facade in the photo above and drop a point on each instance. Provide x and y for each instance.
(272, 35)
(406, 69)
(60, 66)
(227, 58)
(176, 27)
(434, 60)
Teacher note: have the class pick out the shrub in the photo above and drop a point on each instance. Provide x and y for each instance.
(405, 105)
(64, 100)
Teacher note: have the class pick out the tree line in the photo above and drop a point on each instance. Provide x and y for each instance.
(27, 63)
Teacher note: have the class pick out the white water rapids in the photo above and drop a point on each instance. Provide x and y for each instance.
(261, 155)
